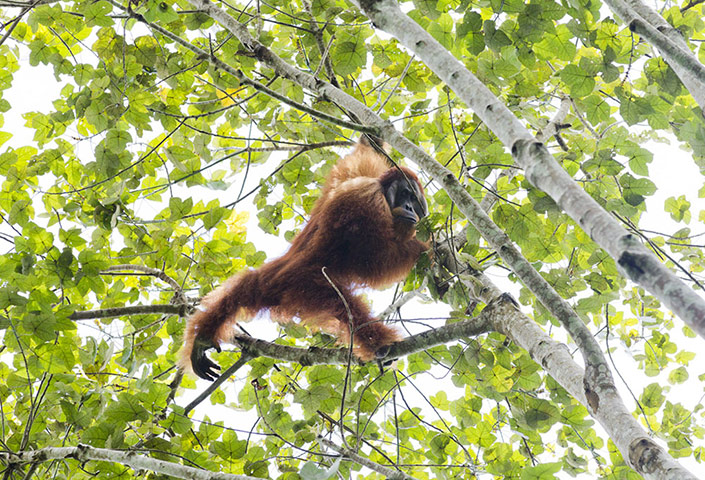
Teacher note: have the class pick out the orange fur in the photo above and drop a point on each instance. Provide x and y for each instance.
(353, 235)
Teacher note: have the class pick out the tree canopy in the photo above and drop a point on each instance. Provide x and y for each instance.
(185, 134)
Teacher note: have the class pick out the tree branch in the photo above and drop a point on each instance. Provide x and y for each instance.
(148, 270)
(168, 309)
(241, 362)
(84, 453)
(658, 32)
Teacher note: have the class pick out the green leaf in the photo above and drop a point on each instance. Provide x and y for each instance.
(470, 32)
(180, 208)
(639, 159)
(427, 8)
(312, 397)
(635, 189)
(679, 375)
(117, 140)
(652, 397)
(97, 13)
(635, 109)
(679, 208)
(442, 30)
(127, 409)
(349, 53)
(160, 11)
(540, 414)
(4, 137)
(495, 38)
(579, 82)
(325, 375)
(230, 447)
(557, 43)
(544, 471)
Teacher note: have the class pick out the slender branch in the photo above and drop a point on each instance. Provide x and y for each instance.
(322, 48)
(148, 270)
(691, 4)
(30, 4)
(470, 327)
(396, 86)
(244, 358)
(16, 21)
(168, 309)
(401, 301)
